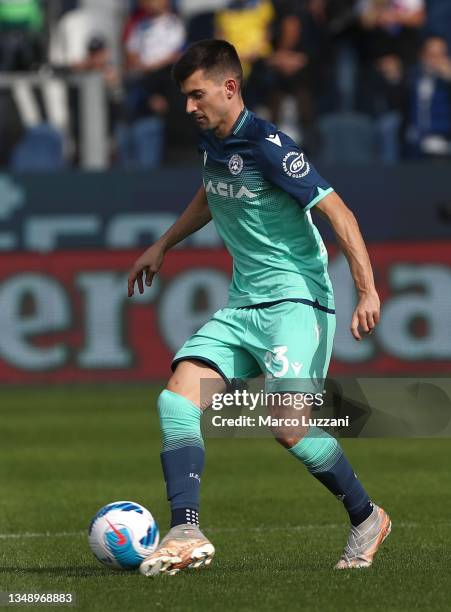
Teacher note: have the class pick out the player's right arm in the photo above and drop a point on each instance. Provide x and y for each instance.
(195, 216)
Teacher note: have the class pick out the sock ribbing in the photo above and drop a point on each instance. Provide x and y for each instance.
(325, 460)
(317, 450)
(179, 421)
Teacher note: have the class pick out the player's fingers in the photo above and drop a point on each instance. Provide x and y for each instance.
(131, 284)
(355, 327)
(376, 316)
(139, 279)
(149, 277)
(370, 321)
(363, 321)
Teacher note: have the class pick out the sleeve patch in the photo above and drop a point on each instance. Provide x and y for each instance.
(283, 164)
(295, 165)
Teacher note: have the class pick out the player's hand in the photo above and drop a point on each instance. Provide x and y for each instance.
(366, 315)
(149, 263)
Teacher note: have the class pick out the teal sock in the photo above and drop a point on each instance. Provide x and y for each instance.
(179, 421)
(324, 458)
(182, 455)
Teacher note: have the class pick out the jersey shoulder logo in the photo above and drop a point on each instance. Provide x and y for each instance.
(236, 164)
(295, 165)
(275, 139)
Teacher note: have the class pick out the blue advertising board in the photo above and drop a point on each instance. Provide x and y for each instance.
(116, 210)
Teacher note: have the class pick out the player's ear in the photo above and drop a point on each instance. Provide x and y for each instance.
(230, 88)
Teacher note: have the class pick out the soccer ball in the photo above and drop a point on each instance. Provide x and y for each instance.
(122, 534)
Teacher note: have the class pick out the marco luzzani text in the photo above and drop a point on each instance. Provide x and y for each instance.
(301, 402)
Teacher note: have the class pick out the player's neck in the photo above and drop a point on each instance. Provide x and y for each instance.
(223, 130)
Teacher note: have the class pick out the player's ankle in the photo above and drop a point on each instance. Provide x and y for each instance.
(357, 518)
(184, 516)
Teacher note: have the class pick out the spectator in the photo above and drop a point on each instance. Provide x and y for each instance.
(199, 16)
(11, 127)
(246, 24)
(153, 43)
(391, 27)
(382, 87)
(25, 14)
(82, 41)
(429, 104)
(340, 14)
(188, 8)
(439, 19)
(98, 58)
(70, 39)
(154, 37)
(21, 45)
(286, 77)
(341, 63)
(382, 92)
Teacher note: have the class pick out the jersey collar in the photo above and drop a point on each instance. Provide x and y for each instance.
(243, 118)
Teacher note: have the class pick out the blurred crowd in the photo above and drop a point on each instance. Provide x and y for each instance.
(350, 80)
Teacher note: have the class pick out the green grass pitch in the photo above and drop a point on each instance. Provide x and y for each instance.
(65, 452)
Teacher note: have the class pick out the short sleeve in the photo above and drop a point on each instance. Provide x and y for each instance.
(285, 165)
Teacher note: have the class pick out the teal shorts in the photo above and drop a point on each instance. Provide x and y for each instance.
(290, 343)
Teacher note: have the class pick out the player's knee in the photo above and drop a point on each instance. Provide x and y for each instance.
(286, 424)
(176, 384)
(181, 385)
(195, 382)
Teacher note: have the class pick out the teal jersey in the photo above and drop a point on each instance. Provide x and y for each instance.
(260, 188)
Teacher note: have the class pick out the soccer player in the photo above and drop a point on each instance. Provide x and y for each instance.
(259, 188)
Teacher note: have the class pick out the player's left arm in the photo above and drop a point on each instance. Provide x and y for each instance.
(285, 165)
(367, 312)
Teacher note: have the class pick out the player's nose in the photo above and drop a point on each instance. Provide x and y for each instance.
(190, 106)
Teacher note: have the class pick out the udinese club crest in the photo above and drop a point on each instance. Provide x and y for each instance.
(295, 165)
(235, 164)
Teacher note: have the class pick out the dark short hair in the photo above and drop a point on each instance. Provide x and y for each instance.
(215, 57)
(96, 43)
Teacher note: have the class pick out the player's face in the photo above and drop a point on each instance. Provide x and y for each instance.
(206, 100)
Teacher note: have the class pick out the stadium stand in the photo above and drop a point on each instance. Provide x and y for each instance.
(97, 74)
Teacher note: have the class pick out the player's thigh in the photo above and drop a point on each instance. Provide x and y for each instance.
(218, 346)
(295, 346)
